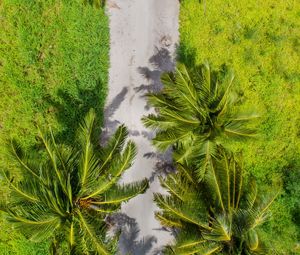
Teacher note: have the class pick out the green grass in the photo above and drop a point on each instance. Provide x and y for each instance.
(260, 41)
(53, 68)
(13, 243)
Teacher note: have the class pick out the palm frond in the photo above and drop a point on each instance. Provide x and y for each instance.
(161, 101)
(113, 148)
(188, 243)
(158, 122)
(19, 193)
(168, 221)
(238, 131)
(262, 209)
(37, 224)
(180, 117)
(236, 179)
(165, 139)
(91, 234)
(190, 150)
(187, 212)
(18, 154)
(118, 167)
(206, 76)
(207, 155)
(125, 161)
(173, 187)
(243, 220)
(186, 172)
(88, 160)
(214, 183)
(48, 145)
(251, 195)
(186, 89)
(184, 81)
(118, 194)
(220, 229)
(244, 116)
(226, 99)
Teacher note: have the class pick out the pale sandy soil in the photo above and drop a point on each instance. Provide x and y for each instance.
(144, 35)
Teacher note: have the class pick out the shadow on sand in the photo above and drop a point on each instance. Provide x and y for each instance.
(129, 242)
(161, 62)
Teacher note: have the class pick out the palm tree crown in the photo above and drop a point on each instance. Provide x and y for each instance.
(195, 113)
(66, 193)
(218, 216)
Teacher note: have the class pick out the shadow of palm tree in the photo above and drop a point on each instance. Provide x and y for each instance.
(161, 61)
(110, 124)
(164, 164)
(129, 241)
(70, 107)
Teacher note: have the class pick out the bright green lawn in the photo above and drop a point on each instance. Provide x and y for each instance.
(53, 68)
(260, 40)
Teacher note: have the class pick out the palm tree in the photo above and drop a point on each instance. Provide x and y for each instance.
(221, 215)
(66, 193)
(196, 113)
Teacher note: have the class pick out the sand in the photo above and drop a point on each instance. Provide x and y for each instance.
(144, 36)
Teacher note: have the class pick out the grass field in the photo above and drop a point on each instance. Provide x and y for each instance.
(53, 68)
(260, 41)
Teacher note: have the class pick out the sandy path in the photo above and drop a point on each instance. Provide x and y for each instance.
(144, 34)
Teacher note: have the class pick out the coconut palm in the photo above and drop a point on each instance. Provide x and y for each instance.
(66, 193)
(221, 215)
(196, 113)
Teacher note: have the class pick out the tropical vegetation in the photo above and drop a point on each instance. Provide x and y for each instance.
(58, 187)
(53, 69)
(260, 42)
(197, 113)
(66, 192)
(220, 215)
